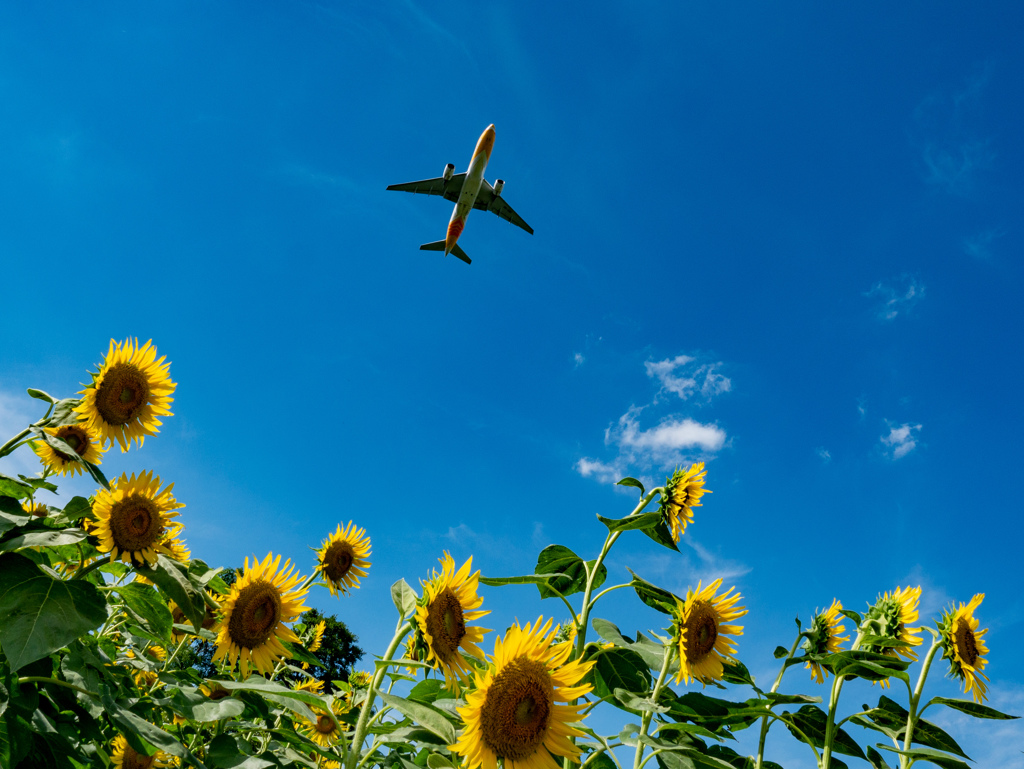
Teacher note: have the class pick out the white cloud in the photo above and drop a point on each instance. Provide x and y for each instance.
(669, 437)
(952, 167)
(825, 454)
(898, 298)
(862, 406)
(901, 439)
(678, 572)
(601, 471)
(578, 359)
(678, 376)
(979, 246)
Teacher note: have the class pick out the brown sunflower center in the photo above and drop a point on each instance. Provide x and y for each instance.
(338, 560)
(324, 724)
(123, 391)
(135, 760)
(218, 693)
(965, 644)
(256, 614)
(517, 709)
(76, 438)
(135, 523)
(701, 631)
(446, 624)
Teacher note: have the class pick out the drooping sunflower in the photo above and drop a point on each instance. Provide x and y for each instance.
(342, 558)
(699, 630)
(315, 639)
(513, 713)
(963, 646)
(324, 731)
(85, 441)
(36, 509)
(682, 493)
(127, 395)
(135, 519)
(314, 685)
(824, 637)
(178, 616)
(889, 618)
(253, 626)
(440, 630)
(214, 690)
(124, 756)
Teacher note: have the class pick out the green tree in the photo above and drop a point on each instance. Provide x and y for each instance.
(338, 650)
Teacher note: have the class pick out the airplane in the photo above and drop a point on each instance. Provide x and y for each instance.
(468, 190)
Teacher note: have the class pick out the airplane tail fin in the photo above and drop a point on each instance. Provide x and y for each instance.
(438, 245)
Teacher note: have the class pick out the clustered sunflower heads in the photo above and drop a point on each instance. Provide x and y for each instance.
(342, 558)
(682, 493)
(128, 394)
(700, 631)
(124, 756)
(889, 618)
(82, 439)
(134, 520)
(963, 646)
(514, 711)
(824, 637)
(261, 601)
(326, 731)
(440, 634)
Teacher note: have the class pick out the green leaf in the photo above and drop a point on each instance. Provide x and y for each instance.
(437, 761)
(128, 721)
(634, 702)
(632, 482)
(195, 706)
(173, 580)
(63, 413)
(429, 718)
(620, 669)
(653, 596)
(12, 487)
(404, 597)
(970, 708)
(735, 672)
(890, 718)
(631, 522)
(662, 535)
(652, 653)
(41, 395)
(146, 602)
(812, 721)
(42, 614)
(936, 757)
(850, 614)
(10, 520)
(48, 538)
(526, 579)
(558, 559)
(38, 483)
(863, 664)
(11, 506)
(875, 759)
(302, 654)
(780, 652)
(790, 699)
(77, 508)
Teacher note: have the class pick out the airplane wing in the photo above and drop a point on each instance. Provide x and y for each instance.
(447, 189)
(486, 200)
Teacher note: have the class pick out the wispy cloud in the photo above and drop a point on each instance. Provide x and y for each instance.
(694, 563)
(685, 376)
(824, 454)
(862, 406)
(897, 297)
(979, 246)
(901, 440)
(578, 359)
(605, 472)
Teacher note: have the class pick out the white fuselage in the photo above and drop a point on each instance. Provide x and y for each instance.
(470, 187)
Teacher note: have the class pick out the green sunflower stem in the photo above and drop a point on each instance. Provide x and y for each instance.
(169, 660)
(352, 758)
(915, 700)
(645, 722)
(84, 571)
(765, 724)
(12, 444)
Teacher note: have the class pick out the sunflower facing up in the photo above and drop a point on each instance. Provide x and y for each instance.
(699, 630)
(682, 493)
(440, 634)
(824, 637)
(261, 601)
(124, 756)
(135, 519)
(963, 646)
(342, 558)
(513, 713)
(324, 732)
(85, 441)
(131, 389)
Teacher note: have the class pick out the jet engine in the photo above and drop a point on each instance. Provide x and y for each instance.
(499, 184)
(448, 170)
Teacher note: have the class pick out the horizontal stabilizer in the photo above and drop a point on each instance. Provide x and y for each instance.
(438, 245)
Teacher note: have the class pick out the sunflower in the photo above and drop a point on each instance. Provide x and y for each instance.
(324, 731)
(315, 640)
(824, 638)
(126, 757)
(135, 519)
(214, 690)
(440, 630)
(342, 558)
(889, 618)
(313, 685)
(131, 389)
(513, 711)
(37, 509)
(682, 493)
(84, 440)
(699, 631)
(360, 679)
(963, 646)
(261, 601)
(178, 616)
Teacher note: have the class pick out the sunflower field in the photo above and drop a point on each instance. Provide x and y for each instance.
(99, 599)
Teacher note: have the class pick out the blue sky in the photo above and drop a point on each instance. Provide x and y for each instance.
(785, 240)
